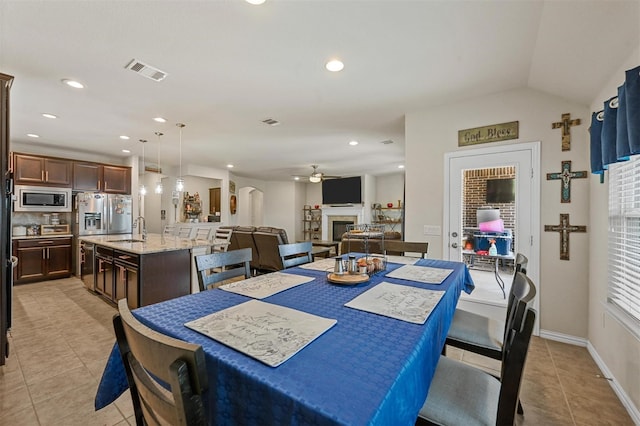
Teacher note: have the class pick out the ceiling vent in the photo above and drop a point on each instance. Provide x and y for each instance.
(271, 122)
(146, 70)
(387, 142)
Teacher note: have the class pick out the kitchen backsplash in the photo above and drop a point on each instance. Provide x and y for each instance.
(28, 218)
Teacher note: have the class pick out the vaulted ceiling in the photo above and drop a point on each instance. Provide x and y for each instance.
(230, 65)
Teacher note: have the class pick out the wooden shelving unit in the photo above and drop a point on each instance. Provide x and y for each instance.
(311, 224)
(392, 217)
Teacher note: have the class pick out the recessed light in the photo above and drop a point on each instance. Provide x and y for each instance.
(255, 2)
(126, 151)
(160, 120)
(33, 135)
(296, 178)
(230, 166)
(401, 166)
(47, 115)
(353, 143)
(334, 65)
(73, 83)
(126, 138)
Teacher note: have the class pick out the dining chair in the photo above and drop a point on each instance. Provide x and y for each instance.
(220, 266)
(151, 358)
(460, 394)
(404, 247)
(480, 334)
(184, 231)
(202, 233)
(295, 254)
(221, 239)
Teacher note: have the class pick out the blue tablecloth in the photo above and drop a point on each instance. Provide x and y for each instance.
(367, 369)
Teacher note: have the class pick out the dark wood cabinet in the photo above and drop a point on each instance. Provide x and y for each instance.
(117, 179)
(101, 177)
(143, 279)
(214, 200)
(36, 170)
(42, 259)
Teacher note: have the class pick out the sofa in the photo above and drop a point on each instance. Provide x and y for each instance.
(263, 242)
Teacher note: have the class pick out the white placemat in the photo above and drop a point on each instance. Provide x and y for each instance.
(410, 304)
(269, 333)
(321, 265)
(423, 274)
(265, 285)
(406, 260)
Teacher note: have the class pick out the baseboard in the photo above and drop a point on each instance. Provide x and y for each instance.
(633, 411)
(622, 395)
(563, 338)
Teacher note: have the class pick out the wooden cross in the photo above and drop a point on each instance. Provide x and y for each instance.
(566, 125)
(564, 228)
(566, 175)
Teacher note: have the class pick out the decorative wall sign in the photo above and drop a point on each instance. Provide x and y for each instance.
(232, 187)
(233, 204)
(564, 229)
(566, 125)
(566, 175)
(485, 134)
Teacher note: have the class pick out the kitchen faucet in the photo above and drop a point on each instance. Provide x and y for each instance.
(143, 228)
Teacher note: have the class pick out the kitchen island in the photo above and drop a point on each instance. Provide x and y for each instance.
(145, 272)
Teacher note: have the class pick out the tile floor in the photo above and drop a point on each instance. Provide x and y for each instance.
(62, 336)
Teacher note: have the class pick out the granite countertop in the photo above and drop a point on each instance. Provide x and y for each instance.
(155, 243)
(33, 237)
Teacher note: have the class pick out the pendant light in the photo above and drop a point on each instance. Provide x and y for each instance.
(180, 180)
(159, 184)
(143, 189)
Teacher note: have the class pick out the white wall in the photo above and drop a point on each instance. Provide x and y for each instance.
(390, 189)
(281, 207)
(615, 345)
(563, 285)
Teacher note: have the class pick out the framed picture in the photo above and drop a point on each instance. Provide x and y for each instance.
(232, 187)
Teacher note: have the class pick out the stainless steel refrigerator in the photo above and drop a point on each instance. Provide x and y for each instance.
(97, 214)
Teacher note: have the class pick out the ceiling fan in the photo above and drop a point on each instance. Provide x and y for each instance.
(317, 177)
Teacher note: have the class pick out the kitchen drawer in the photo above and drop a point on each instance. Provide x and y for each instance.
(44, 242)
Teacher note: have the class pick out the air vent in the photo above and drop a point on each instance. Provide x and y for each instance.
(271, 122)
(146, 70)
(387, 142)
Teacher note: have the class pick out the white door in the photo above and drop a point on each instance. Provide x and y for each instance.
(525, 158)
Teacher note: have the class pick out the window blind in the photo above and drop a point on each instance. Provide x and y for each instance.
(624, 237)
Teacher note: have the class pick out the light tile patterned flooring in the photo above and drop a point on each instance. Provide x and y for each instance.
(62, 336)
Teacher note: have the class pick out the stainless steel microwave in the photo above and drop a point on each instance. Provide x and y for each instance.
(42, 199)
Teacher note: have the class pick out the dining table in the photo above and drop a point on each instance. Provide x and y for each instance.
(367, 369)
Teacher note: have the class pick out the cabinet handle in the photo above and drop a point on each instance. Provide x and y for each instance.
(45, 242)
(106, 184)
(99, 183)
(48, 253)
(42, 175)
(44, 255)
(46, 175)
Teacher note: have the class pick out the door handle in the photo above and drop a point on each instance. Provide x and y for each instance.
(454, 245)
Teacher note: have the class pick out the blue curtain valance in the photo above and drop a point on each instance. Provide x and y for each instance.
(615, 131)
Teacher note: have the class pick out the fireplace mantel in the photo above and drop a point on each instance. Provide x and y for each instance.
(327, 212)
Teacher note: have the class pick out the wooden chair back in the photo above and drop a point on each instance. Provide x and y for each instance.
(184, 232)
(404, 247)
(147, 356)
(220, 266)
(203, 233)
(515, 348)
(295, 254)
(222, 236)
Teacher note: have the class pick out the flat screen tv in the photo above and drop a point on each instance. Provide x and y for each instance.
(501, 190)
(342, 191)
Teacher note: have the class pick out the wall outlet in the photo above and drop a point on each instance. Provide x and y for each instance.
(432, 230)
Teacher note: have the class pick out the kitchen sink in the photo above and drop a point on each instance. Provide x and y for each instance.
(129, 240)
